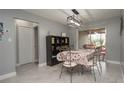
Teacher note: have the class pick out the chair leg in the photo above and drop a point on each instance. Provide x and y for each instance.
(100, 64)
(94, 73)
(71, 75)
(98, 70)
(100, 67)
(82, 69)
(61, 72)
(103, 57)
(94, 69)
(79, 67)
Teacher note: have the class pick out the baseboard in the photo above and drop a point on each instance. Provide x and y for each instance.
(113, 62)
(41, 65)
(18, 64)
(5, 76)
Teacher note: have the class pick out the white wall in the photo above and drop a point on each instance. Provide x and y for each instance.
(122, 49)
(73, 35)
(83, 38)
(122, 45)
(8, 49)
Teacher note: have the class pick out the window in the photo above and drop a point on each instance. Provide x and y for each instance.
(97, 39)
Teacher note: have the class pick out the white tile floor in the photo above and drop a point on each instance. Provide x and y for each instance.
(31, 73)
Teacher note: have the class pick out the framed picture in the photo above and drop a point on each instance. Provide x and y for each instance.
(1, 27)
(1, 31)
(63, 34)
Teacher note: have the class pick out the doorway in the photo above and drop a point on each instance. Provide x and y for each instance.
(26, 42)
(36, 42)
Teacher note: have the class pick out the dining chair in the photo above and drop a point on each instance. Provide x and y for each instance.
(93, 62)
(70, 62)
(63, 48)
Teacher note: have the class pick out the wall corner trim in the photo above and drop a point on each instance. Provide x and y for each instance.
(113, 62)
(42, 64)
(8, 75)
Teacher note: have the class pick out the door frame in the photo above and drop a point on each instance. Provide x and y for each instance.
(35, 60)
(16, 41)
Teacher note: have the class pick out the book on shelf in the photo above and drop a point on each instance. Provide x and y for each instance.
(53, 40)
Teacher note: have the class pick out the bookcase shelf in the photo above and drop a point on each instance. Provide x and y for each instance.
(52, 45)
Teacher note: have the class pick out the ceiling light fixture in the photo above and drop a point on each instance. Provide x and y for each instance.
(73, 20)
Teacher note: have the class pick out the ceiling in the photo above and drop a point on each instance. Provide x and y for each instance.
(86, 15)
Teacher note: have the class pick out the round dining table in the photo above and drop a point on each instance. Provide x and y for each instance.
(79, 56)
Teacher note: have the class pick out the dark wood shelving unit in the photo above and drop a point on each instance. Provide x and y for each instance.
(52, 45)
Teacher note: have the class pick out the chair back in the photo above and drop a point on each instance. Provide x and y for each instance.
(61, 56)
(64, 48)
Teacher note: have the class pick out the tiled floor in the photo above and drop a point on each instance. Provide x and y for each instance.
(31, 73)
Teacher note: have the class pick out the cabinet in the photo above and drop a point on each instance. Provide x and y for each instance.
(53, 43)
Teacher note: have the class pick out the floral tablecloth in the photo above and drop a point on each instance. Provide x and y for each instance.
(79, 56)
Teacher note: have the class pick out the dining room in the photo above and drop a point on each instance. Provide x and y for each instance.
(61, 46)
(73, 47)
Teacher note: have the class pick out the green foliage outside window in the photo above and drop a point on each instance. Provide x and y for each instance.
(97, 40)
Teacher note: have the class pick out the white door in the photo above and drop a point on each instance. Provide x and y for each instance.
(25, 45)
